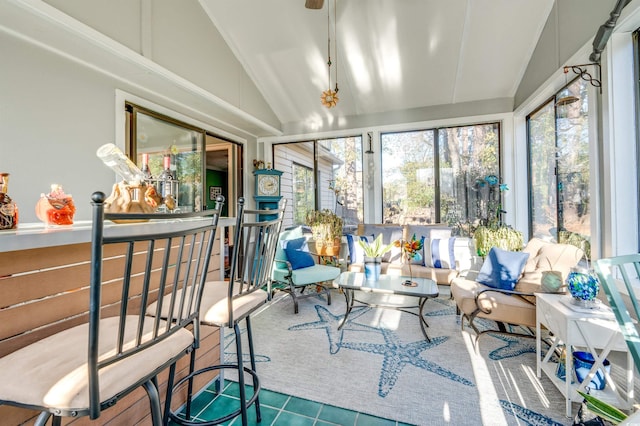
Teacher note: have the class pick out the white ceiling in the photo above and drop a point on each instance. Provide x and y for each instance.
(392, 54)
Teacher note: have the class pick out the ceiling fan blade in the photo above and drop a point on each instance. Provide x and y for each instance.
(313, 4)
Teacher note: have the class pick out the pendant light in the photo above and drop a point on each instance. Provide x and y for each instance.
(567, 98)
(329, 98)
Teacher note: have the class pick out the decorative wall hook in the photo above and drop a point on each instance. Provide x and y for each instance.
(581, 70)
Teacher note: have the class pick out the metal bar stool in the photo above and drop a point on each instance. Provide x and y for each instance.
(88, 368)
(227, 303)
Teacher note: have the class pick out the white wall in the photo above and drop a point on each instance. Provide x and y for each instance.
(59, 97)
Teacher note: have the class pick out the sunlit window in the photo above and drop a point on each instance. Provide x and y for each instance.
(340, 169)
(560, 195)
(303, 199)
(322, 174)
(430, 176)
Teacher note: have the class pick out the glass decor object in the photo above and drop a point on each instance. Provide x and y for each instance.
(8, 208)
(56, 207)
(133, 194)
(411, 251)
(584, 287)
(117, 161)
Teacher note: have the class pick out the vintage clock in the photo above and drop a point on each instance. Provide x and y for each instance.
(267, 192)
(268, 185)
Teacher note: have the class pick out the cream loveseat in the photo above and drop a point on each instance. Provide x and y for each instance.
(392, 263)
(475, 300)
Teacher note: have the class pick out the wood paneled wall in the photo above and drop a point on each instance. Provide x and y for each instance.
(45, 290)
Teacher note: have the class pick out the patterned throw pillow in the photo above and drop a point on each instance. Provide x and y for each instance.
(297, 253)
(434, 234)
(442, 253)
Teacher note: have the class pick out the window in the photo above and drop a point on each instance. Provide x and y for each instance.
(172, 146)
(323, 174)
(468, 155)
(558, 138)
(340, 168)
(303, 198)
(408, 187)
(428, 182)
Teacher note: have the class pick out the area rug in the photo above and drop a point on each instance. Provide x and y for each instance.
(380, 363)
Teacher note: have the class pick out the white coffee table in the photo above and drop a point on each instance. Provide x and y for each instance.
(424, 289)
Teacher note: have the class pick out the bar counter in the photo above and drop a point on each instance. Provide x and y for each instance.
(44, 282)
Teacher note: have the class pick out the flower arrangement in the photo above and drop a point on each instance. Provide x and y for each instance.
(411, 252)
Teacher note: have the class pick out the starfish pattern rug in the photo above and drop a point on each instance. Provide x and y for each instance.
(380, 363)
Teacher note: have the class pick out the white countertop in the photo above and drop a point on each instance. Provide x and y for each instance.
(37, 235)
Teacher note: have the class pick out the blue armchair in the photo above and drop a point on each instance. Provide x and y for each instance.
(289, 277)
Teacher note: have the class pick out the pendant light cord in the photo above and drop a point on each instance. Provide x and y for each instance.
(335, 38)
(328, 46)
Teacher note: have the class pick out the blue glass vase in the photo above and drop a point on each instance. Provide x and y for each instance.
(583, 286)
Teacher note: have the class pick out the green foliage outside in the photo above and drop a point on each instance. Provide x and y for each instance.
(503, 237)
(577, 240)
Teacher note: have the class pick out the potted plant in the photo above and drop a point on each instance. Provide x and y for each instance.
(492, 232)
(373, 253)
(326, 228)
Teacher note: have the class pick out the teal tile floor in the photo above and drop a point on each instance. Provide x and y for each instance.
(278, 409)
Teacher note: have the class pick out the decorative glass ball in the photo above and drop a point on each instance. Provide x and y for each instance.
(583, 285)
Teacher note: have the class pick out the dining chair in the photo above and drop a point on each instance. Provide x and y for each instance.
(620, 277)
(228, 303)
(86, 369)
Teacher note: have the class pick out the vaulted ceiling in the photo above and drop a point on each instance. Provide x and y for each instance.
(392, 55)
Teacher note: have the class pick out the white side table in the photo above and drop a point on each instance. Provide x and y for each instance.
(595, 331)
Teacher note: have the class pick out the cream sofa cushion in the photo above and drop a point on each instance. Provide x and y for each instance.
(543, 256)
(548, 257)
(501, 307)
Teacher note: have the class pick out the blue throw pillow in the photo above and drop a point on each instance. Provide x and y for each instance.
(297, 253)
(442, 253)
(501, 269)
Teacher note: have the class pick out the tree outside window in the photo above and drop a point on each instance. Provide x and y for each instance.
(428, 182)
(559, 169)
